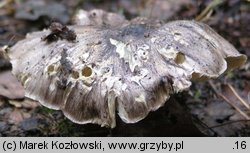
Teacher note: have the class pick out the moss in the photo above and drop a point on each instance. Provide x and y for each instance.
(229, 75)
(46, 110)
(197, 94)
(66, 128)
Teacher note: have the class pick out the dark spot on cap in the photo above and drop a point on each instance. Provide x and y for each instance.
(136, 30)
(176, 33)
(94, 14)
(75, 74)
(5, 87)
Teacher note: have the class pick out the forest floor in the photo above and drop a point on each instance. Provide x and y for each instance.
(205, 110)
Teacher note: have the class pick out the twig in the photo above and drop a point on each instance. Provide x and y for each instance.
(228, 101)
(151, 9)
(232, 122)
(208, 10)
(204, 125)
(237, 95)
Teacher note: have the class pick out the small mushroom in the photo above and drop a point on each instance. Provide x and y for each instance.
(126, 73)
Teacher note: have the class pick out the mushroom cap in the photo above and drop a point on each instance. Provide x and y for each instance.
(132, 69)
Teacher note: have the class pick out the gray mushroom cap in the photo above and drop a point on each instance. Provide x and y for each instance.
(132, 68)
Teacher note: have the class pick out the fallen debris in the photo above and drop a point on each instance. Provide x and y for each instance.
(59, 31)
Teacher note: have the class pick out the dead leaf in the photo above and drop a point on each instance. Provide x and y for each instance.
(29, 124)
(30, 104)
(17, 104)
(26, 115)
(157, 9)
(33, 10)
(15, 117)
(9, 86)
(245, 42)
(26, 103)
(163, 9)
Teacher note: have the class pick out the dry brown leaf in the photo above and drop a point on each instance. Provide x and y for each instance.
(26, 103)
(9, 86)
(29, 104)
(15, 117)
(17, 104)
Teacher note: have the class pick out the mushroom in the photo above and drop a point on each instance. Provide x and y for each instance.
(132, 67)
